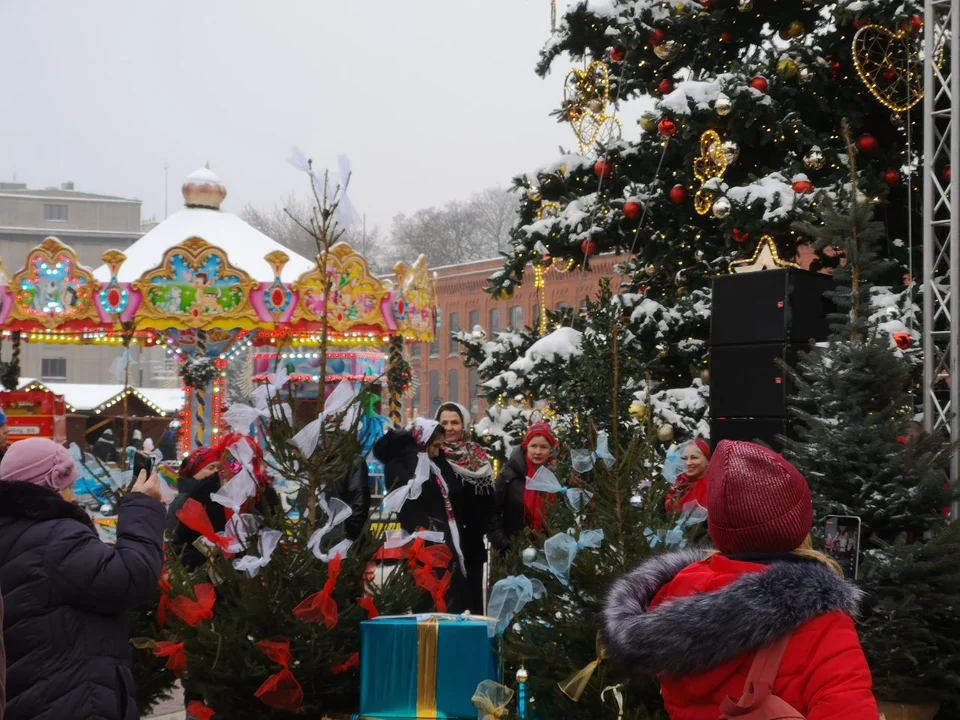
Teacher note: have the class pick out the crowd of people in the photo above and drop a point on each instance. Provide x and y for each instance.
(65, 593)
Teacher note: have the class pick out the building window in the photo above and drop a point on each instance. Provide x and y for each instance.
(494, 320)
(516, 317)
(434, 390)
(474, 391)
(562, 305)
(53, 369)
(453, 386)
(415, 401)
(583, 306)
(474, 319)
(55, 213)
(435, 345)
(454, 329)
(536, 313)
(415, 350)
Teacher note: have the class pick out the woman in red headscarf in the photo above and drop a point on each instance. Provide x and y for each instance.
(515, 506)
(690, 486)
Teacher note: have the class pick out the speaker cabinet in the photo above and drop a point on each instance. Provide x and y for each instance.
(785, 305)
(763, 430)
(746, 381)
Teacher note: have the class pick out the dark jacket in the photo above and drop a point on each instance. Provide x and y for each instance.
(66, 593)
(354, 491)
(508, 511)
(3, 665)
(185, 486)
(698, 623)
(105, 451)
(183, 538)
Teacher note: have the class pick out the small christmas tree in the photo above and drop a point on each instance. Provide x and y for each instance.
(857, 445)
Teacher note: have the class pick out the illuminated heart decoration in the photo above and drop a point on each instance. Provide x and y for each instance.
(586, 94)
(711, 163)
(878, 50)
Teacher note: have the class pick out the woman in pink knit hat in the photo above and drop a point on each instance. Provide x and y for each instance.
(706, 621)
(66, 593)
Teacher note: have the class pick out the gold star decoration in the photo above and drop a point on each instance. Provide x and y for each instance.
(765, 257)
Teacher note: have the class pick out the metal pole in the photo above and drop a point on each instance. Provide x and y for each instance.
(954, 196)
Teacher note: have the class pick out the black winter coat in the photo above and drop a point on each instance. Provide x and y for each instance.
(354, 490)
(66, 593)
(3, 665)
(185, 486)
(508, 512)
(182, 539)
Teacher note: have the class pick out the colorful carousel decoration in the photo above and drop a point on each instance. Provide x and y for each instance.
(209, 287)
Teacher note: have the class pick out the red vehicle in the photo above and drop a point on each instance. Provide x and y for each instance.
(34, 413)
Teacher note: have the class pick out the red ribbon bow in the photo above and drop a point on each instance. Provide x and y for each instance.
(321, 607)
(433, 556)
(164, 605)
(281, 690)
(193, 612)
(351, 662)
(195, 517)
(902, 340)
(427, 579)
(366, 602)
(176, 657)
(200, 711)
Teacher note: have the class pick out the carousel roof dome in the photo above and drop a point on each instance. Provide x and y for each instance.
(201, 217)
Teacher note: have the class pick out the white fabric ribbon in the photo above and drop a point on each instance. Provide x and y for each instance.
(241, 486)
(242, 417)
(397, 539)
(340, 399)
(264, 393)
(251, 564)
(337, 511)
(239, 529)
(346, 214)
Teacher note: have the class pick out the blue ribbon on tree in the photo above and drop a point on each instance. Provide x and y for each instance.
(545, 481)
(510, 595)
(693, 514)
(583, 460)
(560, 550)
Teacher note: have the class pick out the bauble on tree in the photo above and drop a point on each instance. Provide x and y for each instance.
(945, 175)
(617, 54)
(759, 83)
(667, 127)
(657, 37)
(665, 87)
(631, 210)
(602, 169)
(891, 177)
(867, 144)
(589, 247)
(678, 195)
(802, 187)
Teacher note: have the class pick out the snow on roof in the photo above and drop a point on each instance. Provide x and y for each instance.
(88, 397)
(243, 244)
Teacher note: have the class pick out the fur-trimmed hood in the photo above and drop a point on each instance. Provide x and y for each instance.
(21, 500)
(689, 634)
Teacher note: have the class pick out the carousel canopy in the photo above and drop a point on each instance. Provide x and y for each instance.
(201, 217)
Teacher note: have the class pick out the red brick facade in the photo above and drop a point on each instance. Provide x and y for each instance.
(463, 304)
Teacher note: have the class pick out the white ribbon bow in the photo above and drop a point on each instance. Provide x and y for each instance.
(251, 564)
(241, 486)
(337, 511)
(400, 538)
(340, 399)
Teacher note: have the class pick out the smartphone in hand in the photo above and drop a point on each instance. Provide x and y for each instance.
(142, 462)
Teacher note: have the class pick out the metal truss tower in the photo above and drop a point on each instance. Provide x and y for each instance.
(941, 222)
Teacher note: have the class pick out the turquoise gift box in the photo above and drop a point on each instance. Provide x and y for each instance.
(423, 666)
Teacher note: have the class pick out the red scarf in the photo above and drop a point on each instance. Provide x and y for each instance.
(534, 502)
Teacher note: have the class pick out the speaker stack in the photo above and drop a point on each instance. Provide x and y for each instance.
(758, 319)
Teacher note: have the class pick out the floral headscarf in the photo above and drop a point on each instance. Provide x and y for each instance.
(469, 460)
(423, 430)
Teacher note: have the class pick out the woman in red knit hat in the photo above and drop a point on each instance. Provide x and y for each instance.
(700, 620)
(690, 486)
(515, 506)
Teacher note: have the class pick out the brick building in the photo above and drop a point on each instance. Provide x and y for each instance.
(439, 373)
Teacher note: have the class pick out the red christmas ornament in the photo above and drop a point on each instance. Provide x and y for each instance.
(589, 247)
(858, 22)
(740, 236)
(665, 86)
(867, 143)
(759, 83)
(889, 75)
(802, 187)
(667, 127)
(601, 169)
(891, 177)
(617, 54)
(726, 37)
(913, 25)
(657, 37)
(678, 195)
(902, 340)
(834, 68)
(707, 4)
(631, 210)
(945, 174)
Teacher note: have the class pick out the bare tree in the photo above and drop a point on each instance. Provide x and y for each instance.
(496, 212)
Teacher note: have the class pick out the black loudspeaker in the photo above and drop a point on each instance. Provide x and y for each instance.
(764, 430)
(746, 381)
(785, 305)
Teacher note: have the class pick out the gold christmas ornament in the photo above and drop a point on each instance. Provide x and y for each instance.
(876, 50)
(705, 377)
(787, 68)
(721, 208)
(638, 411)
(711, 163)
(723, 105)
(667, 50)
(595, 106)
(534, 196)
(793, 29)
(765, 257)
(744, 6)
(522, 675)
(648, 123)
(665, 433)
(814, 159)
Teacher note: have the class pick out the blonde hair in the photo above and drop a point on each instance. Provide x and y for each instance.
(806, 551)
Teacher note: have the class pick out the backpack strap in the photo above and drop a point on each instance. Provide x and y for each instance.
(760, 679)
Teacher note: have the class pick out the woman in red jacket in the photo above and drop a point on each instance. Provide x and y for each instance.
(691, 485)
(698, 619)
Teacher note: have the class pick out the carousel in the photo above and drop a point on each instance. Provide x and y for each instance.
(211, 289)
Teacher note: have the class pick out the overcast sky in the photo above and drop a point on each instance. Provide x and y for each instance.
(431, 99)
